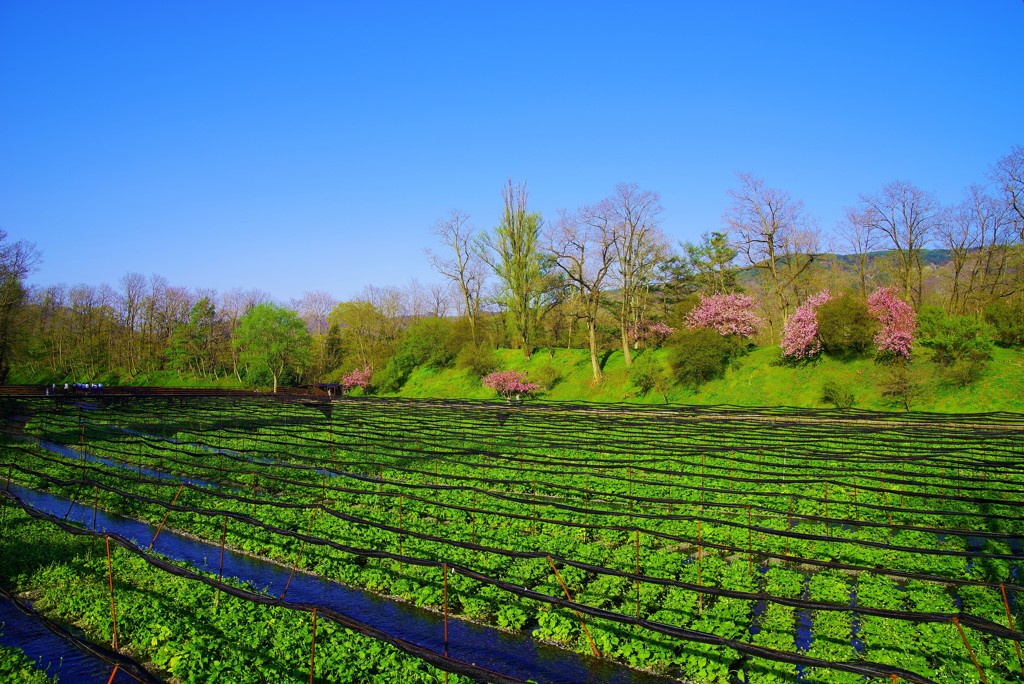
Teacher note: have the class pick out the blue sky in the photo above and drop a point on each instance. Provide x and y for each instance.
(312, 147)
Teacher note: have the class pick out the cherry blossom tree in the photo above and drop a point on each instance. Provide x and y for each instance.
(728, 314)
(360, 377)
(898, 322)
(652, 333)
(509, 384)
(800, 333)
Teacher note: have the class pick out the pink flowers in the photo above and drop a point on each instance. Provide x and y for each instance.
(509, 383)
(360, 377)
(898, 322)
(728, 314)
(651, 332)
(800, 333)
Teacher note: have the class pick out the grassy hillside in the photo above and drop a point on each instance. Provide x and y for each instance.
(757, 379)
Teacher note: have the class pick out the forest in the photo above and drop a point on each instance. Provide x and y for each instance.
(901, 273)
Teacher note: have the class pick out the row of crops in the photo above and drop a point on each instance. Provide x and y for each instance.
(715, 545)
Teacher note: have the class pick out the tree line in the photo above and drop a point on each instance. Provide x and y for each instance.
(599, 277)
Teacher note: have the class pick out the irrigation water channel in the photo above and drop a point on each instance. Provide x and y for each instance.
(515, 655)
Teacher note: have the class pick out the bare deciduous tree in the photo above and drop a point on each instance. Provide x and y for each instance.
(1009, 175)
(463, 267)
(977, 233)
(860, 237)
(639, 246)
(771, 234)
(313, 307)
(582, 244)
(905, 214)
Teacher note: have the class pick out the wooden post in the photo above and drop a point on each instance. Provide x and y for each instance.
(312, 649)
(568, 596)
(750, 545)
(161, 527)
(788, 526)
(700, 596)
(298, 558)
(444, 571)
(963, 636)
(110, 576)
(1009, 617)
(220, 567)
(637, 580)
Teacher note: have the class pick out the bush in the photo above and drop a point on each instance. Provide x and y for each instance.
(647, 373)
(845, 327)
(478, 360)
(960, 344)
(699, 355)
(1007, 321)
(547, 376)
(836, 394)
(431, 342)
(903, 384)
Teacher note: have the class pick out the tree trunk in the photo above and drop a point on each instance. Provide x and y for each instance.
(592, 334)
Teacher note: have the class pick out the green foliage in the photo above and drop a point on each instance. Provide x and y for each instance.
(711, 262)
(1007, 321)
(272, 341)
(16, 667)
(647, 373)
(837, 394)
(431, 343)
(960, 344)
(478, 360)
(513, 251)
(699, 355)
(903, 384)
(845, 328)
(547, 376)
(953, 338)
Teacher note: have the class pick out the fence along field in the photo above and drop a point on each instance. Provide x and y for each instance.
(711, 544)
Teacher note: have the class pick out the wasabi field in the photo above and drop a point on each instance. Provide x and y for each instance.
(711, 544)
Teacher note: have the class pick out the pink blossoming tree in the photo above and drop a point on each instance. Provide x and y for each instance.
(727, 314)
(800, 333)
(509, 384)
(360, 377)
(898, 322)
(651, 332)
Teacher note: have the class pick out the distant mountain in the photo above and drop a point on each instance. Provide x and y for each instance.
(930, 257)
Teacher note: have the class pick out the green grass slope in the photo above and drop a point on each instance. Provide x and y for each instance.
(756, 379)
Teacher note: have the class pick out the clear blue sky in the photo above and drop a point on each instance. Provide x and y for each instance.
(305, 146)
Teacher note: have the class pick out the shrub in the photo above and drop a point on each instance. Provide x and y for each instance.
(699, 355)
(960, 344)
(898, 321)
(1007, 321)
(954, 338)
(845, 327)
(547, 376)
(800, 333)
(727, 314)
(431, 342)
(478, 360)
(647, 373)
(903, 384)
(832, 392)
